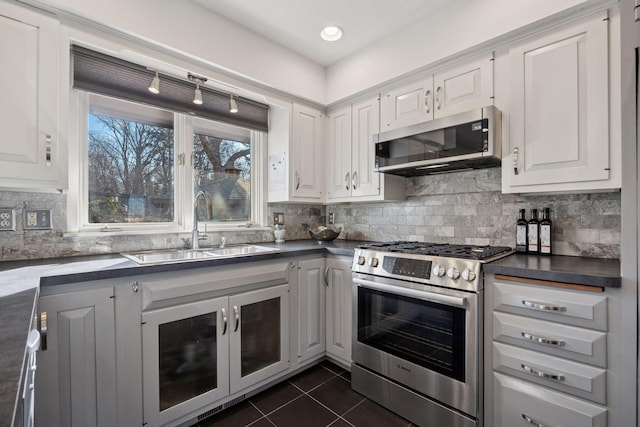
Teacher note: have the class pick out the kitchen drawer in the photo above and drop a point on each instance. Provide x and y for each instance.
(577, 308)
(520, 403)
(582, 345)
(581, 380)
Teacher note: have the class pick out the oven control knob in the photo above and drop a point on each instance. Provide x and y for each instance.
(361, 260)
(438, 270)
(453, 273)
(373, 262)
(468, 275)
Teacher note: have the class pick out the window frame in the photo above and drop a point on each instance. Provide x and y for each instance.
(183, 128)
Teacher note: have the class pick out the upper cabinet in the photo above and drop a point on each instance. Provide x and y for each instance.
(449, 92)
(351, 156)
(296, 160)
(559, 112)
(31, 153)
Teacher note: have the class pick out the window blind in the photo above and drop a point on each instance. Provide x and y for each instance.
(99, 73)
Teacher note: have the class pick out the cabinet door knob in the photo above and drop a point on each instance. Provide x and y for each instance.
(236, 316)
(43, 330)
(540, 373)
(542, 306)
(543, 340)
(427, 98)
(530, 420)
(224, 320)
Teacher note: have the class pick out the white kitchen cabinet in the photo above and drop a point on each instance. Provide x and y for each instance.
(521, 403)
(32, 155)
(351, 153)
(311, 309)
(339, 322)
(559, 136)
(407, 105)
(207, 350)
(454, 90)
(75, 382)
(556, 354)
(296, 154)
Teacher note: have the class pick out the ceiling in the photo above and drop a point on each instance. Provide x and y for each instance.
(296, 24)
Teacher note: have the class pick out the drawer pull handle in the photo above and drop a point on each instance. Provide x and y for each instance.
(542, 340)
(542, 374)
(530, 420)
(543, 306)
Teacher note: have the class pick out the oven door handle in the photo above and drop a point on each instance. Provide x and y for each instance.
(412, 293)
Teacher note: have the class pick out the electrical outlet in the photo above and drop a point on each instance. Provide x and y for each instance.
(7, 219)
(37, 219)
(331, 218)
(278, 218)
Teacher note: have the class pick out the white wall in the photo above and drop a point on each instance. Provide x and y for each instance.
(454, 28)
(188, 28)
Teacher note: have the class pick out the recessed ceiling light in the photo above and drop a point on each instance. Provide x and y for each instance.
(331, 33)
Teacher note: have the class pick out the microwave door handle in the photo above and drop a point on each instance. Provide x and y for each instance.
(412, 293)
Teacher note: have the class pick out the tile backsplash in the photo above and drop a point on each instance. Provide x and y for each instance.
(462, 207)
(469, 208)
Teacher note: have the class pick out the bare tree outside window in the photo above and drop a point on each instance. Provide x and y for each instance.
(131, 176)
(222, 168)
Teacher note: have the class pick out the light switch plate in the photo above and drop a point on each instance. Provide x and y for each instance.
(7, 219)
(37, 219)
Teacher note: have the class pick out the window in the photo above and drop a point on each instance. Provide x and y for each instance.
(143, 166)
(222, 169)
(130, 163)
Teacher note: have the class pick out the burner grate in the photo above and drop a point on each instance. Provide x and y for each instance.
(439, 249)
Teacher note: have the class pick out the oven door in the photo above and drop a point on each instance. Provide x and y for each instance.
(420, 336)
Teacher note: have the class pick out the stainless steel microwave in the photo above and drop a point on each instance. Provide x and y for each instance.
(461, 141)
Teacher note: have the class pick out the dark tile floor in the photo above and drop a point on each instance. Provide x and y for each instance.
(318, 397)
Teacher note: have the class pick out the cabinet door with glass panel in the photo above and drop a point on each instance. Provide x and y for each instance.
(197, 354)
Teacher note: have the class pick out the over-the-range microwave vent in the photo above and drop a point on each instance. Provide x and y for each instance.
(469, 140)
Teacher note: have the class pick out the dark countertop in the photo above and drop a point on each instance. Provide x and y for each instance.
(24, 276)
(558, 268)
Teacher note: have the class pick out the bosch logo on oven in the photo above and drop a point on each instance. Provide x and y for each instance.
(402, 368)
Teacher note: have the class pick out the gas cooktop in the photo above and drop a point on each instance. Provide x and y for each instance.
(439, 249)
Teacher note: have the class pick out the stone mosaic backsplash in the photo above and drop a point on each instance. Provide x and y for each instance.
(469, 208)
(461, 207)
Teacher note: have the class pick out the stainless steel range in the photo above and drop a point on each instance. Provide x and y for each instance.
(417, 325)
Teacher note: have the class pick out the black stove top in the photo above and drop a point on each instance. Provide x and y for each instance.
(439, 249)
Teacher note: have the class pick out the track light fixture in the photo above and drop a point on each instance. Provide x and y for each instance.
(197, 96)
(233, 106)
(154, 87)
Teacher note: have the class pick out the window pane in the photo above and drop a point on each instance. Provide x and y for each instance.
(222, 168)
(131, 177)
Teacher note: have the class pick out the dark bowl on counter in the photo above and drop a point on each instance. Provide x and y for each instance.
(324, 234)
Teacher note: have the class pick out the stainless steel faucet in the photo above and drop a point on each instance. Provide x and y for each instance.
(195, 234)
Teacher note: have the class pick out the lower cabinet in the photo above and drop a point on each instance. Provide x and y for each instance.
(311, 309)
(521, 403)
(75, 381)
(198, 353)
(339, 322)
(557, 354)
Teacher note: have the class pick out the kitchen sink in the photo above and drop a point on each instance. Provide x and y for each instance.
(182, 255)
